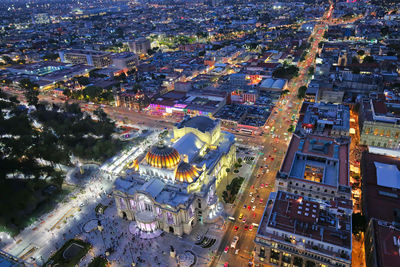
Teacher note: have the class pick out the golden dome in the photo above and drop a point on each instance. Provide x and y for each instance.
(161, 156)
(186, 172)
(134, 165)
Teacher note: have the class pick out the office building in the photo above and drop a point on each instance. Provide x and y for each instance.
(139, 46)
(98, 59)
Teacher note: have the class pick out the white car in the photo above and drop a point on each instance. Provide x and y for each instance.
(251, 194)
(234, 241)
(254, 208)
(236, 251)
(252, 200)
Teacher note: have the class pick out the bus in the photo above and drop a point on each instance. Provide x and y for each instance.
(246, 131)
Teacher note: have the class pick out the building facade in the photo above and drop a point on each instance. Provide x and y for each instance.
(301, 231)
(380, 124)
(173, 185)
(124, 61)
(97, 59)
(139, 46)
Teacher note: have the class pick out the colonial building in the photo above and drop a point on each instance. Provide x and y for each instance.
(133, 101)
(173, 185)
(301, 231)
(380, 124)
(316, 166)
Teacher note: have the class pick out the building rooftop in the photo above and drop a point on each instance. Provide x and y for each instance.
(201, 123)
(302, 217)
(322, 116)
(317, 159)
(381, 195)
(388, 254)
(381, 111)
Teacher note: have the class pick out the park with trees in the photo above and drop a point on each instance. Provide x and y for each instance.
(35, 142)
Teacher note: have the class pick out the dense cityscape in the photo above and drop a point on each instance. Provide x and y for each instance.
(200, 133)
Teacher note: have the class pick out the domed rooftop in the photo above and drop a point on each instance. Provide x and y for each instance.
(162, 156)
(201, 123)
(186, 172)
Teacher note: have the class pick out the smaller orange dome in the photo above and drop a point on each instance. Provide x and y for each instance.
(186, 172)
(134, 165)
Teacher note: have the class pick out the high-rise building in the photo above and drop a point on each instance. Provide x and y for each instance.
(139, 46)
(301, 231)
(98, 59)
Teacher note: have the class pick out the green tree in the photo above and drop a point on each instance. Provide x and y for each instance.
(31, 91)
(359, 223)
(311, 71)
(360, 53)
(368, 59)
(302, 92)
(82, 80)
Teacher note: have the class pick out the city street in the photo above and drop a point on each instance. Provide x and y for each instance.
(274, 150)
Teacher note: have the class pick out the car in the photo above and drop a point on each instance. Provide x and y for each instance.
(246, 227)
(241, 216)
(261, 185)
(226, 249)
(251, 194)
(244, 206)
(252, 200)
(236, 228)
(254, 208)
(261, 200)
(258, 196)
(244, 220)
(254, 214)
(236, 251)
(81, 205)
(249, 207)
(252, 187)
(251, 228)
(226, 264)
(234, 241)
